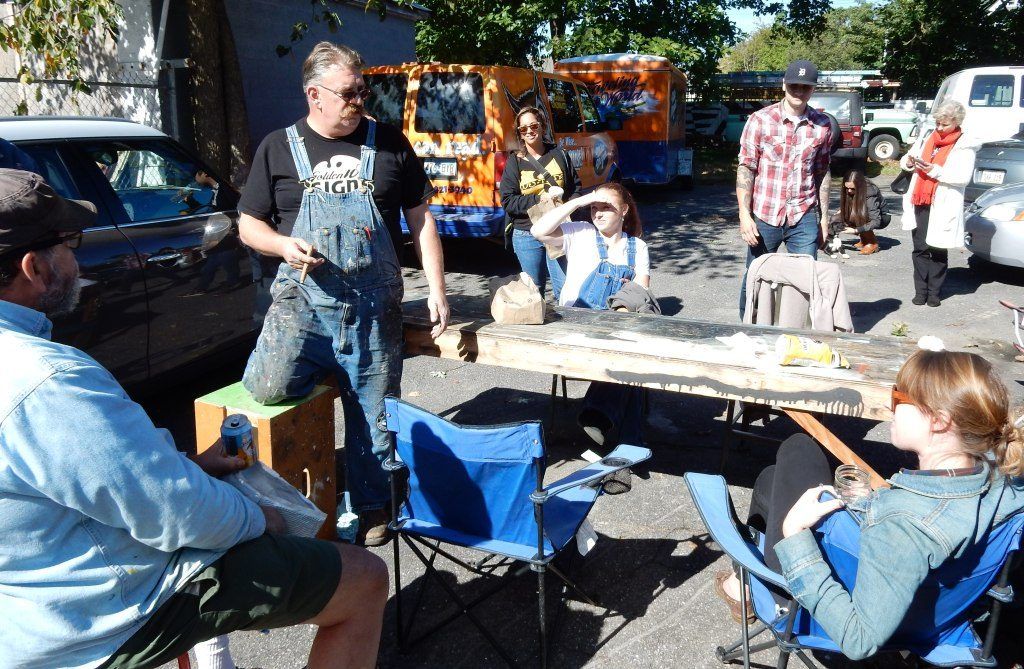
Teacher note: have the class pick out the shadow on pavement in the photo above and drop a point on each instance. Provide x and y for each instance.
(624, 575)
(866, 315)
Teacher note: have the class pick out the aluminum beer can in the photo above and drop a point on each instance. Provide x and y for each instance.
(236, 432)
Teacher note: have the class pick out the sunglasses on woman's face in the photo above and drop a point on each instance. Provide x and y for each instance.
(899, 397)
(530, 127)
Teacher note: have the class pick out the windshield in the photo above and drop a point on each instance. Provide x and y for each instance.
(840, 107)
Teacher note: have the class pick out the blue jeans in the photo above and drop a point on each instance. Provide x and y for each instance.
(800, 238)
(356, 337)
(534, 260)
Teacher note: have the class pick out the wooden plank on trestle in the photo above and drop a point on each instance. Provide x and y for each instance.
(666, 353)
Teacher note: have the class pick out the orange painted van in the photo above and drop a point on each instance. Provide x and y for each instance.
(459, 119)
(646, 95)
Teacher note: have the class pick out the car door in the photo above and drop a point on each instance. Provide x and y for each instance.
(592, 154)
(181, 219)
(110, 320)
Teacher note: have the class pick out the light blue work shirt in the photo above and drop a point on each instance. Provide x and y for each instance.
(101, 518)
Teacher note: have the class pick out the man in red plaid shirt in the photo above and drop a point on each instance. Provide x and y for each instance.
(782, 182)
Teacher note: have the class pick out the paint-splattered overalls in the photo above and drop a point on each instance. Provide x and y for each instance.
(606, 279)
(346, 319)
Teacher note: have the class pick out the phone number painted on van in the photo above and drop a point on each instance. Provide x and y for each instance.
(445, 169)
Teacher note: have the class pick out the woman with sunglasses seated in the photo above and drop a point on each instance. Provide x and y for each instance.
(535, 167)
(951, 410)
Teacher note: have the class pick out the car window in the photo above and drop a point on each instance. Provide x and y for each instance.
(53, 169)
(387, 104)
(450, 102)
(589, 108)
(992, 90)
(565, 110)
(155, 179)
(840, 107)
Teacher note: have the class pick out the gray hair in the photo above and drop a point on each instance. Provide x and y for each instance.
(327, 56)
(950, 109)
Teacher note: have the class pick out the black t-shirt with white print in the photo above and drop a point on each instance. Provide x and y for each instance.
(274, 194)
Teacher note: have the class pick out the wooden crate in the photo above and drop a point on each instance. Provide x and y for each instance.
(294, 438)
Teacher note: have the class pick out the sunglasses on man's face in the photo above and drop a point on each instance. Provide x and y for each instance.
(361, 94)
(530, 127)
(899, 397)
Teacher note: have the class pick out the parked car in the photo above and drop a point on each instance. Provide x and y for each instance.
(459, 120)
(993, 98)
(997, 164)
(160, 220)
(847, 108)
(994, 227)
(887, 131)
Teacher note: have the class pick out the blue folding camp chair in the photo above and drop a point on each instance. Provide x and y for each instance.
(937, 628)
(483, 488)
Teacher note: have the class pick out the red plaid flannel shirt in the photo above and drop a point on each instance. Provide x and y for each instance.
(786, 159)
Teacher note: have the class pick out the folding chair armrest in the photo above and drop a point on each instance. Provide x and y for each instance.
(711, 497)
(622, 457)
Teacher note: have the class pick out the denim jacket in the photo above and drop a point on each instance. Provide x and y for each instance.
(906, 531)
(101, 519)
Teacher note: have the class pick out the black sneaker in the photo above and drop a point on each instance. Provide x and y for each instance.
(919, 301)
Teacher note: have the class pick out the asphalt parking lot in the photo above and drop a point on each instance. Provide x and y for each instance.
(653, 562)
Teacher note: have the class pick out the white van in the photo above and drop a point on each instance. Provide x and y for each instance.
(993, 98)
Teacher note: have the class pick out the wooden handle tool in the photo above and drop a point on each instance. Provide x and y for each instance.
(305, 266)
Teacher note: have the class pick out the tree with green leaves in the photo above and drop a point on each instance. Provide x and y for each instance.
(851, 38)
(50, 35)
(928, 40)
(482, 32)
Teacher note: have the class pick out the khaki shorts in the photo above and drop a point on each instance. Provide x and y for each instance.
(272, 581)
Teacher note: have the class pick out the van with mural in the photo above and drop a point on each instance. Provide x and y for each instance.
(647, 94)
(459, 119)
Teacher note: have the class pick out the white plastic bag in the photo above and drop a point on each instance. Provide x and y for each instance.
(264, 486)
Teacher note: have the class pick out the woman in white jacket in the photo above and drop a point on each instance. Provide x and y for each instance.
(933, 206)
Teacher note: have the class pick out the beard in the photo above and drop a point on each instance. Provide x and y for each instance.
(61, 296)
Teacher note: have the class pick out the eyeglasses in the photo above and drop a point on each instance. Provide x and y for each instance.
(361, 94)
(72, 241)
(899, 397)
(530, 127)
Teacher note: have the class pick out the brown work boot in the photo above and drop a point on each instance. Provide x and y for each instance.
(373, 528)
(868, 243)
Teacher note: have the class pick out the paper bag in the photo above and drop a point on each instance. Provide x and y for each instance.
(516, 300)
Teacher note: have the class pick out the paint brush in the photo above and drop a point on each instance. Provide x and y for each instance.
(305, 266)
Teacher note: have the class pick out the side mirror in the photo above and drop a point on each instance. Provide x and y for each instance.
(869, 117)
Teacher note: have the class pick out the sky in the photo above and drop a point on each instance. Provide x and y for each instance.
(748, 22)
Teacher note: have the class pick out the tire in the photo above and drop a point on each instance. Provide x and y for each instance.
(883, 147)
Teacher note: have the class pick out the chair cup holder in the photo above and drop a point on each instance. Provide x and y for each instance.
(614, 462)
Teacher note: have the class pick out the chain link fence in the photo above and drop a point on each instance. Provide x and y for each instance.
(129, 91)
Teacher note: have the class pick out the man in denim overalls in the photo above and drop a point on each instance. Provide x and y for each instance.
(339, 180)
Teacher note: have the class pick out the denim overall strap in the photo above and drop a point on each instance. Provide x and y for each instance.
(602, 247)
(368, 155)
(630, 251)
(299, 155)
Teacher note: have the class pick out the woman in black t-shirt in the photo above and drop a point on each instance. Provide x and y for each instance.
(521, 186)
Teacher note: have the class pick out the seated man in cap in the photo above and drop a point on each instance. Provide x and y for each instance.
(119, 551)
